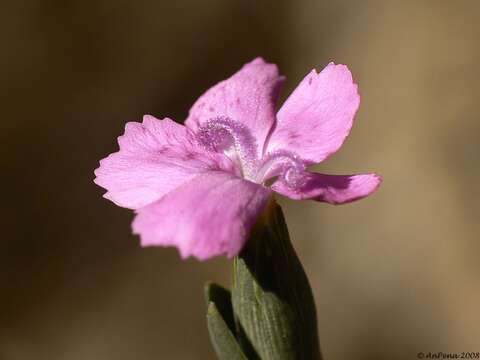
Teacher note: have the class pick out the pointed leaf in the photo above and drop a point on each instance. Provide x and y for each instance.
(223, 302)
(220, 323)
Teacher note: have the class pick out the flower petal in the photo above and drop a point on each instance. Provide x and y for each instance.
(333, 189)
(210, 215)
(317, 117)
(249, 97)
(155, 157)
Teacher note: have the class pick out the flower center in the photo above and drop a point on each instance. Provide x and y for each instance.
(287, 166)
(224, 135)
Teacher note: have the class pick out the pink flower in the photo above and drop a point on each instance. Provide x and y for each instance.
(200, 187)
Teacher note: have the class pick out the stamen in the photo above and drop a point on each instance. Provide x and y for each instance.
(288, 166)
(224, 135)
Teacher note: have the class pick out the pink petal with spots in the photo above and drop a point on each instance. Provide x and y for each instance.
(333, 189)
(210, 215)
(317, 117)
(249, 97)
(155, 157)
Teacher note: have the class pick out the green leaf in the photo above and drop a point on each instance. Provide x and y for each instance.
(220, 322)
(272, 300)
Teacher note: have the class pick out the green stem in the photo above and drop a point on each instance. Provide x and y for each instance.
(272, 300)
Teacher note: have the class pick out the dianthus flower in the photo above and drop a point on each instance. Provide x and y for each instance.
(201, 186)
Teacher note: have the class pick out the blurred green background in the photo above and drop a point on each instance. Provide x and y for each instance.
(393, 275)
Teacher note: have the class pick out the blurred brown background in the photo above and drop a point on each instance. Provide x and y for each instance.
(393, 275)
